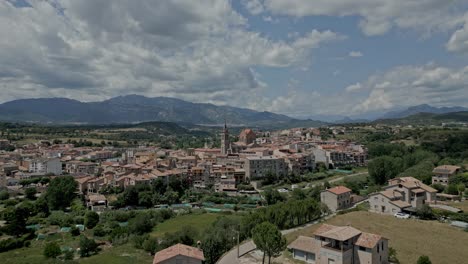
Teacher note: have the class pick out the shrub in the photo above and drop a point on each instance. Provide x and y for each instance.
(4, 195)
(74, 231)
(91, 219)
(52, 250)
(87, 246)
(151, 245)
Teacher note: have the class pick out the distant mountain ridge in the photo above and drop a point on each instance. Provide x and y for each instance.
(427, 119)
(423, 108)
(137, 109)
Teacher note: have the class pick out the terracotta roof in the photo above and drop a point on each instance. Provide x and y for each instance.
(304, 243)
(446, 169)
(340, 233)
(339, 190)
(324, 228)
(391, 194)
(368, 240)
(176, 250)
(400, 204)
(418, 190)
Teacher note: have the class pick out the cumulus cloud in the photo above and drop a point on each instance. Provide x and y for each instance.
(95, 49)
(412, 85)
(377, 16)
(459, 40)
(255, 7)
(355, 54)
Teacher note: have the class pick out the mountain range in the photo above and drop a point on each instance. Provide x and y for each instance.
(136, 109)
(398, 113)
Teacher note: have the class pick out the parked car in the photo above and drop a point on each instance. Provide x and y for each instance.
(402, 215)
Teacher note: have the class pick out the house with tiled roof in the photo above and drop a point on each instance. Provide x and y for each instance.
(405, 194)
(340, 245)
(179, 253)
(443, 173)
(336, 198)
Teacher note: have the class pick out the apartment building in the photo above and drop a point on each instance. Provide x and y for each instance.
(340, 245)
(259, 166)
(402, 194)
(45, 166)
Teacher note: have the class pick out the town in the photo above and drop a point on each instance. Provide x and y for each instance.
(234, 132)
(72, 190)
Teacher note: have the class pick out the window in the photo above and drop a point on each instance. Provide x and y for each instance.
(362, 248)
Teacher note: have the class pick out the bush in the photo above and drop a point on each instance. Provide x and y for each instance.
(4, 195)
(424, 260)
(99, 231)
(10, 243)
(74, 231)
(52, 250)
(141, 224)
(91, 219)
(151, 245)
(30, 193)
(87, 246)
(425, 212)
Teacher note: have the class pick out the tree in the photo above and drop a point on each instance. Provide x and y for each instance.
(91, 219)
(61, 192)
(87, 246)
(424, 260)
(141, 224)
(268, 239)
(425, 212)
(74, 231)
(381, 169)
(151, 245)
(4, 195)
(52, 250)
(272, 196)
(16, 220)
(30, 193)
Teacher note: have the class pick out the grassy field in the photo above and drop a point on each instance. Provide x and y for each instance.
(461, 205)
(411, 238)
(108, 255)
(198, 221)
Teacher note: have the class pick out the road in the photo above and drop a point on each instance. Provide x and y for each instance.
(231, 256)
(336, 179)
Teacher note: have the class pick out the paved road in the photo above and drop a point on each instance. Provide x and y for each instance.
(231, 256)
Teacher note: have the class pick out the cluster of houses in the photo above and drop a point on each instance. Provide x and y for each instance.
(253, 156)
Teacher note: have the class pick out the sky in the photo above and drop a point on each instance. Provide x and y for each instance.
(302, 58)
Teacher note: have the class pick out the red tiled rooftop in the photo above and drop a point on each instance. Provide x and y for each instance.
(176, 250)
(339, 190)
(368, 240)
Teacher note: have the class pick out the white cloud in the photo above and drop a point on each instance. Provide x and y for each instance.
(377, 16)
(354, 87)
(355, 54)
(254, 7)
(95, 49)
(459, 40)
(412, 85)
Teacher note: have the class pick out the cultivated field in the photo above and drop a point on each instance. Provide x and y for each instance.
(411, 238)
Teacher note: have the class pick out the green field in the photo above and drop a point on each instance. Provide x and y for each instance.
(411, 238)
(108, 254)
(198, 221)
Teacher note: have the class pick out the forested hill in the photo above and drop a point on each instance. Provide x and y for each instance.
(137, 109)
(427, 119)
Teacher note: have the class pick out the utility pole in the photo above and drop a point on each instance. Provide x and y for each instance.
(238, 243)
